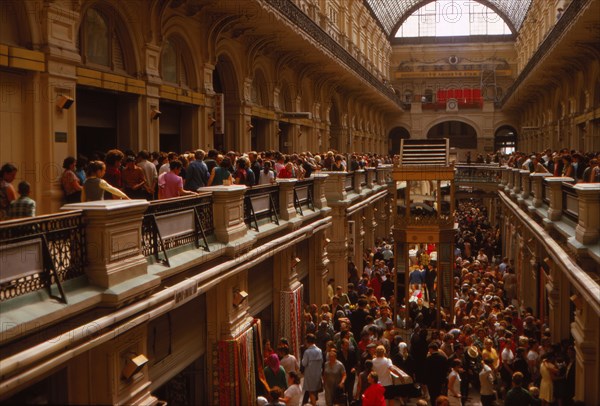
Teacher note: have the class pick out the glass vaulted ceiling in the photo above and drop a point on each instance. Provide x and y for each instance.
(391, 12)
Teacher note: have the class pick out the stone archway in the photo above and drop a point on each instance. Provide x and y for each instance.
(505, 139)
(395, 135)
(225, 83)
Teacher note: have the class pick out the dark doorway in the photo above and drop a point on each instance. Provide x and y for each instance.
(284, 130)
(505, 140)
(461, 135)
(397, 134)
(170, 127)
(96, 121)
(105, 120)
(259, 134)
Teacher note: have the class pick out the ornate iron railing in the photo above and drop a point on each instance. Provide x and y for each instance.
(546, 192)
(261, 202)
(477, 174)
(37, 252)
(570, 202)
(297, 17)
(172, 223)
(303, 195)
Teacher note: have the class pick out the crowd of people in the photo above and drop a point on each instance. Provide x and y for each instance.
(583, 167)
(159, 175)
(488, 346)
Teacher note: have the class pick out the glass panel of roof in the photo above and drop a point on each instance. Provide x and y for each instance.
(390, 12)
(444, 18)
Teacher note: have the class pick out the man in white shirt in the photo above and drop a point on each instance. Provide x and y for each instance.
(149, 172)
(486, 379)
(287, 360)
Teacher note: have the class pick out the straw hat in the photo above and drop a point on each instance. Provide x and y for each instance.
(473, 351)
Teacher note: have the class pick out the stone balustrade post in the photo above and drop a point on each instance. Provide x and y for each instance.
(335, 187)
(287, 210)
(525, 185)
(556, 201)
(537, 187)
(588, 227)
(228, 212)
(319, 199)
(510, 181)
(113, 240)
(516, 182)
(359, 175)
(371, 177)
(504, 176)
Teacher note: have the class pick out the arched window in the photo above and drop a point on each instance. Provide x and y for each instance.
(96, 38)
(259, 89)
(100, 42)
(172, 63)
(444, 18)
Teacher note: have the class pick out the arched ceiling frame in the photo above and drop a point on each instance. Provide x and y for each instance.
(392, 13)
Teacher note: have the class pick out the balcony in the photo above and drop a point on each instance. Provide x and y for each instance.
(568, 212)
(110, 253)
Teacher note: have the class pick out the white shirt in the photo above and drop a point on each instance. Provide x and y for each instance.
(266, 178)
(289, 363)
(294, 392)
(382, 367)
(486, 379)
(507, 356)
(412, 253)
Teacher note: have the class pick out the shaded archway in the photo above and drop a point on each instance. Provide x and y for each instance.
(396, 134)
(225, 85)
(335, 128)
(505, 139)
(461, 135)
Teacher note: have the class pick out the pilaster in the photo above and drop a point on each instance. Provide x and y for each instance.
(586, 333)
(516, 175)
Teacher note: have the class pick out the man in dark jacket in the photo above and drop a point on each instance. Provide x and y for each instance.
(436, 365)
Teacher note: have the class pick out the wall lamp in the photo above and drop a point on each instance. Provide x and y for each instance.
(239, 296)
(133, 365)
(155, 114)
(64, 102)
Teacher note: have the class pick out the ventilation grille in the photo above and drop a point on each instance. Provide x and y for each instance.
(424, 152)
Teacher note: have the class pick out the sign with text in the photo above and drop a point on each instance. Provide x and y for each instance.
(447, 74)
(219, 113)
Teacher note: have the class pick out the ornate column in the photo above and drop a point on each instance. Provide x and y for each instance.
(288, 295)
(558, 288)
(370, 225)
(586, 332)
(318, 268)
(359, 177)
(335, 192)
(232, 332)
(556, 202)
(510, 183)
(588, 227)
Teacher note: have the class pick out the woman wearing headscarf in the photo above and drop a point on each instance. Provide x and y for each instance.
(274, 373)
(404, 361)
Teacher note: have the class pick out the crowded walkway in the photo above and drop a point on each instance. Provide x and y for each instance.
(487, 351)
